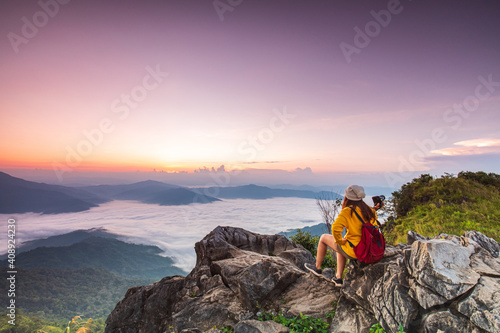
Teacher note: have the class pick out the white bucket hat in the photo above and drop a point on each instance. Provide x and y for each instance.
(355, 192)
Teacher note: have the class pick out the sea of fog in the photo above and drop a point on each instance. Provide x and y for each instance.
(175, 229)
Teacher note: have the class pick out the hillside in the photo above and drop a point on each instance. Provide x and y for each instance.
(22, 196)
(62, 240)
(60, 294)
(338, 188)
(126, 260)
(260, 192)
(85, 272)
(315, 230)
(139, 188)
(152, 192)
(449, 204)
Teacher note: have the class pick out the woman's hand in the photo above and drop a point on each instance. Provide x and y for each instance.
(344, 240)
(378, 206)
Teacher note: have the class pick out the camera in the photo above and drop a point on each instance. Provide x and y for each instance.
(378, 199)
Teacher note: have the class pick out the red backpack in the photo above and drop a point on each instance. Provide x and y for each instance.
(371, 248)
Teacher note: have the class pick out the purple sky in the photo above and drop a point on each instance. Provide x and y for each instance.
(177, 86)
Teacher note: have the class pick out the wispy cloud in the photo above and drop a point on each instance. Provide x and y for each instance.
(489, 142)
(471, 147)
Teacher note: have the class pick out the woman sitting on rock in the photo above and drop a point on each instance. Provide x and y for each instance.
(347, 219)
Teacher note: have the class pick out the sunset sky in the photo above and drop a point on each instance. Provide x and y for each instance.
(325, 88)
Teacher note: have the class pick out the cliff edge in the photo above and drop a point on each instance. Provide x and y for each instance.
(427, 285)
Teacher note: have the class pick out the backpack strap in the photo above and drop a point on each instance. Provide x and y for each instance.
(359, 217)
(362, 222)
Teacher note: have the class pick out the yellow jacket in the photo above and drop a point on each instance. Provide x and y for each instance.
(353, 226)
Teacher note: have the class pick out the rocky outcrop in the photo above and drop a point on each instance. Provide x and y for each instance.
(486, 243)
(443, 284)
(440, 284)
(237, 274)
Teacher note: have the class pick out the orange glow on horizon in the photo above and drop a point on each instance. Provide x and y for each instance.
(135, 167)
(117, 165)
(89, 166)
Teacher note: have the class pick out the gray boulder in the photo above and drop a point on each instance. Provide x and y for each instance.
(442, 284)
(412, 237)
(483, 305)
(486, 243)
(435, 285)
(390, 301)
(255, 278)
(483, 263)
(441, 269)
(237, 274)
(374, 293)
(350, 317)
(446, 322)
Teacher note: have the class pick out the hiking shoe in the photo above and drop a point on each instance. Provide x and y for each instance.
(337, 282)
(314, 270)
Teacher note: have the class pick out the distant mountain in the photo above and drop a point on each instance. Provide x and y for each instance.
(315, 230)
(179, 196)
(370, 190)
(83, 272)
(128, 191)
(261, 192)
(63, 240)
(129, 261)
(337, 189)
(151, 192)
(22, 196)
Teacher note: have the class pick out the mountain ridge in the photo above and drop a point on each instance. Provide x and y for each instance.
(253, 191)
(21, 196)
(66, 239)
(83, 272)
(120, 258)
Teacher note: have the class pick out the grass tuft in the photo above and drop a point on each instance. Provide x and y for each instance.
(449, 204)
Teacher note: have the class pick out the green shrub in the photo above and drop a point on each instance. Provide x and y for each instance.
(300, 324)
(487, 179)
(377, 328)
(449, 204)
(30, 324)
(310, 243)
